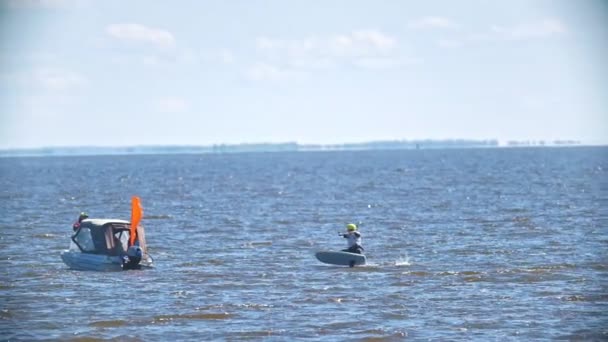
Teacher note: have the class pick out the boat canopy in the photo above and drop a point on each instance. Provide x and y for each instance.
(106, 236)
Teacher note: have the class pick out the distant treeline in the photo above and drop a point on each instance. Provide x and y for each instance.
(543, 143)
(275, 147)
(404, 144)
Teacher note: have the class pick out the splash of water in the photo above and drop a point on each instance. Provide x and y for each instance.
(403, 261)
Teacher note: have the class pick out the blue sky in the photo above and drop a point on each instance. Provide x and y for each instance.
(116, 73)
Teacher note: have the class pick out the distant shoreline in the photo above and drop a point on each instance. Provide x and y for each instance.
(278, 147)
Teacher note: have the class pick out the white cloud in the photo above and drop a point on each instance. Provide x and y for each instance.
(59, 79)
(312, 63)
(356, 43)
(50, 79)
(360, 48)
(226, 56)
(267, 72)
(140, 33)
(219, 56)
(175, 56)
(172, 104)
(544, 28)
(383, 63)
(432, 22)
(450, 43)
(375, 39)
(149, 60)
(288, 59)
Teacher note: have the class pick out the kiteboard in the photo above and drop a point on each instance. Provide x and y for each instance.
(341, 258)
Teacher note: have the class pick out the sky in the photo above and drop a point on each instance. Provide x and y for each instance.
(123, 73)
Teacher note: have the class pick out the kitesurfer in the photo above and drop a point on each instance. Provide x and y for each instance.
(353, 239)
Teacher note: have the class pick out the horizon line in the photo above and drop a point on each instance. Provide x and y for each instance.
(380, 145)
(492, 141)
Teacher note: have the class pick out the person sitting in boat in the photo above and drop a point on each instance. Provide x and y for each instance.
(76, 224)
(353, 239)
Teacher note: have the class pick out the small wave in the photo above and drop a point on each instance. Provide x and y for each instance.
(403, 283)
(394, 315)
(384, 335)
(193, 264)
(462, 273)
(522, 219)
(417, 273)
(109, 324)
(574, 298)
(516, 210)
(338, 325)
(197, 316)
(257, 333)
(585, 298)
(540, 269)
(473, 279)
(45, 236)
(403, 261)
(5, 314)
(254, 244)
(158, 217)
(215, 262)
(254, 306)
(549, 268)
(586, 335)
(599, 267)
(181, 293)
(369, 267)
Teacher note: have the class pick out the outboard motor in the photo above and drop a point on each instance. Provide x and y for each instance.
(133, 258)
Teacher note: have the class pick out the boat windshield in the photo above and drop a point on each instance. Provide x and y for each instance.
(84, 240)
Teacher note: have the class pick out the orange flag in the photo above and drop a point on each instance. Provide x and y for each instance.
(137, 212)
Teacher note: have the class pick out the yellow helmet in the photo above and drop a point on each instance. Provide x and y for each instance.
(351, 227)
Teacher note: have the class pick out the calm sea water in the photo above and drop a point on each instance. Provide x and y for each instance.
(477, 244)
